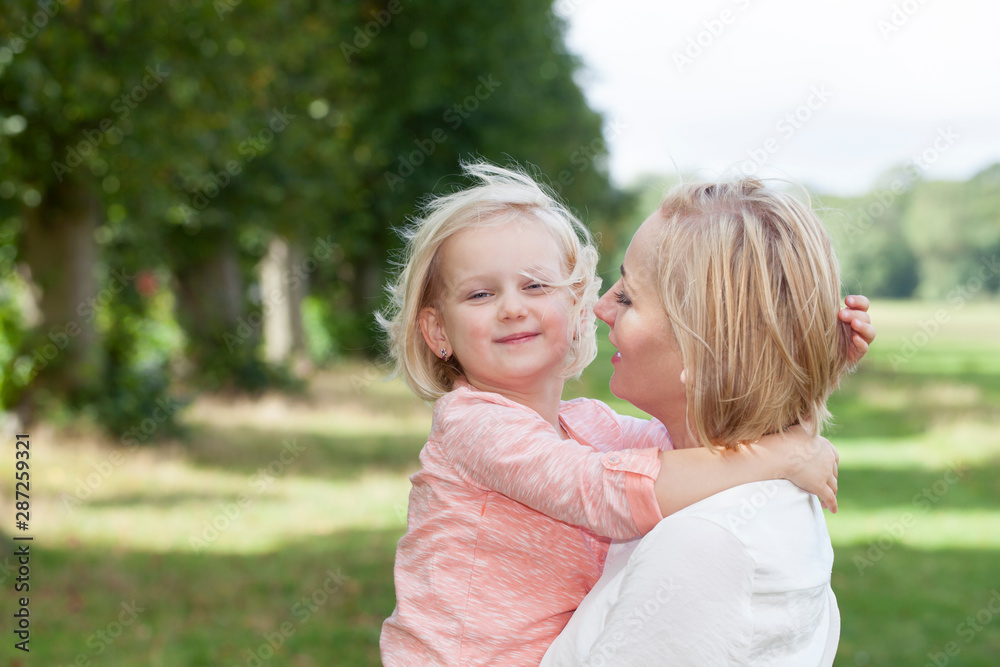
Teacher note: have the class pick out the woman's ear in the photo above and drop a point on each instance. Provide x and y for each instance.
(432, 328)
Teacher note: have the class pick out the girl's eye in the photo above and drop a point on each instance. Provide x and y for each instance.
(622, 299)
(536, 286)
(479, 295)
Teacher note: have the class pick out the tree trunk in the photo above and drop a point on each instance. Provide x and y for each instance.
(60, 253)
(274, 289)
(367, 289)
(298, 290)
(283, 280)
(209, 306)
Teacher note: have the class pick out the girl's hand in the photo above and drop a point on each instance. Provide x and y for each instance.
(809, 462)
(856, 317)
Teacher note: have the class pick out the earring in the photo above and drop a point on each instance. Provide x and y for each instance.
(444, 355)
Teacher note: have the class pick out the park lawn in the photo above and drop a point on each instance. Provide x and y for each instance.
(265, 535)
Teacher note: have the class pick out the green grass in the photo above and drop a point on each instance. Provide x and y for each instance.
(300, 557)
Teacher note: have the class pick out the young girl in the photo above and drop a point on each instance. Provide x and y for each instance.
(492, 313)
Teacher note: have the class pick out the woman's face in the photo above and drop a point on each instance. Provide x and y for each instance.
(648, 363)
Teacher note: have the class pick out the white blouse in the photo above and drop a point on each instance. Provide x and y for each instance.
(741, 578)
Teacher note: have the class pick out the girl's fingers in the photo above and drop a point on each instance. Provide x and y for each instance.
(848, 315)
(831, 503)
(858, 301)
(865, 330)
(860, 344)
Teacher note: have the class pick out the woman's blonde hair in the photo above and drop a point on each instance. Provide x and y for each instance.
(751, 285)
(498, 197)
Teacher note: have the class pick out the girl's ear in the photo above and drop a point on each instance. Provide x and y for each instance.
(684, 377)
(432, 328)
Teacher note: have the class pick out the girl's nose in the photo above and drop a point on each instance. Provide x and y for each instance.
(512, 306)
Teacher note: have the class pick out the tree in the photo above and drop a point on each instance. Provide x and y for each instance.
(190, 140)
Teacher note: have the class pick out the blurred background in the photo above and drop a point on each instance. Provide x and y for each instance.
(198, 203)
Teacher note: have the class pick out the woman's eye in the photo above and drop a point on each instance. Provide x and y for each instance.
(622, 299)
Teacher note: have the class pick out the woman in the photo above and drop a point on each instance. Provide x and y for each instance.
(725, 325)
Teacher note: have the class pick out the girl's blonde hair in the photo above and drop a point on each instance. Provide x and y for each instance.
(498, 197)
(751, 285)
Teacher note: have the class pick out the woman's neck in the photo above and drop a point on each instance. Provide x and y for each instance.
(676, 423)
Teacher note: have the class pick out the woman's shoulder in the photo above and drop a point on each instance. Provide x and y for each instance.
(777, 525)
(756, 505)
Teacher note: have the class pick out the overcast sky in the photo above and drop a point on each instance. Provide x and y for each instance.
(826, 92)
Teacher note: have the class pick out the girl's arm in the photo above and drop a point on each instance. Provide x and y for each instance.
(693, 474)
(516, 453)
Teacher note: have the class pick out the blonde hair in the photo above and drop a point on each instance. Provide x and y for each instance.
(751, 285)
(498, 197)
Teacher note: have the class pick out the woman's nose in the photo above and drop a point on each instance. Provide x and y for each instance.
(605, 308)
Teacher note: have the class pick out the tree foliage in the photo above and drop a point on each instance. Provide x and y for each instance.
(173, 141)
(913, 238)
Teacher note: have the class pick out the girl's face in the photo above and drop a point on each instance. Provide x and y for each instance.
(511, 333)
(648, 364)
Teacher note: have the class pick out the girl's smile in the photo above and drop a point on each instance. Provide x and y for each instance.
(519, 338)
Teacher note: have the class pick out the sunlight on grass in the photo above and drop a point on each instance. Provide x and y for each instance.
(246, 512)
(157, 501)
(917, 528)
(943, 445)
(353, 416)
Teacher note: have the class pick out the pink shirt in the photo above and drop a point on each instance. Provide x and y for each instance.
(494, 560)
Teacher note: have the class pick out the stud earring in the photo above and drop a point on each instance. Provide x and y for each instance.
(444, 355)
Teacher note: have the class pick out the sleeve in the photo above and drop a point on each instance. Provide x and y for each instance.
(521, 456)
(642, 433)
(685, 600)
